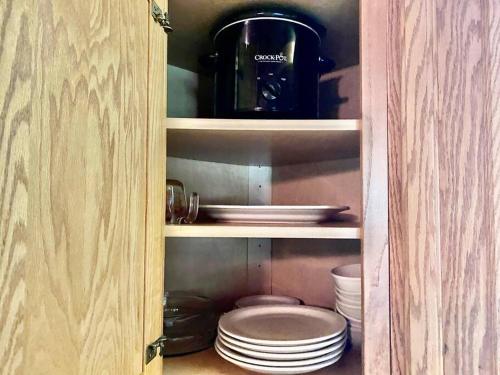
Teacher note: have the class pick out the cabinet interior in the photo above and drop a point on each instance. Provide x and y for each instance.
(190, 85)
(228, 268)
(240, 162)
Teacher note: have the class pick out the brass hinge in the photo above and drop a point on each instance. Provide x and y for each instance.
(160, 17)
(152, 349)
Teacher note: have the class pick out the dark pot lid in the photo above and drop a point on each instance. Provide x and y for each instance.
(180, 303)
(269, 14)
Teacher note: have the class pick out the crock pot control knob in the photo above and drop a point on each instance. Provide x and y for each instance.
(271, 90)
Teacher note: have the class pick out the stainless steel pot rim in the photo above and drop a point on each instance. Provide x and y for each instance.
(259, 18)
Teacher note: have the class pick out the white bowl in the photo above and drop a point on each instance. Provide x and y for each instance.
(348, 278)
(351, 312)
(354, 324)
(348, 293)
(355, 329)
(353, 306)
(350, 319)
(355, 302)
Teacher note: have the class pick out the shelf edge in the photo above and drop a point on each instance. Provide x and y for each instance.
(261, 125)
(249, 231)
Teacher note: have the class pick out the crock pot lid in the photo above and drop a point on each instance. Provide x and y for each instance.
(282, 15)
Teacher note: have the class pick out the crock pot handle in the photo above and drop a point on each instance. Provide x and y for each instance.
(209, 61)
(326, 65)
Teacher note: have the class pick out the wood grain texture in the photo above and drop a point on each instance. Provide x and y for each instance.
(416, 255)
(467, 186)
(16, 115)
(444, 140)
(209, 124)
(340, 230)
(375, 252)
(494, 107)
(156, 176)
(72, 155)
(397, 192)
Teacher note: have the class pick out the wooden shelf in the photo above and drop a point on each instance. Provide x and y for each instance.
(262, 142)
(261, 125)
(208, 362)
(329, 231)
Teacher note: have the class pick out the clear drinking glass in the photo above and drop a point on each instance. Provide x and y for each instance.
(176, 202)
(177, 209)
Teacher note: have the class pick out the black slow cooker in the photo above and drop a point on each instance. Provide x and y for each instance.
(268, 65)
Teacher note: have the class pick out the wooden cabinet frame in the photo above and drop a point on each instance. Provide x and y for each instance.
(375, 237)
(376, 353)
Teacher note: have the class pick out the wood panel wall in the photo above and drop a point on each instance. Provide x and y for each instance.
(444, 134)
(73, 97)
(374, 170)
(156, 188)
(301, 268)
(211, 267)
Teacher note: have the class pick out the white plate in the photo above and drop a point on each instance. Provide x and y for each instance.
(283, 349)
(271, 214)
(284, 356)
(261, 362)
(279, 370)
(282, 325)
(264, 299)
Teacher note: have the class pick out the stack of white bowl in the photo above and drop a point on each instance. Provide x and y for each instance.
(348, 296)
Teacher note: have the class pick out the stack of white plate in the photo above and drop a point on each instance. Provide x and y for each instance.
(265, 299)
(348, 296)
(281, 339)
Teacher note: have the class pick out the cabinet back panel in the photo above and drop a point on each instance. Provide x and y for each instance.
(211, 267)
(216, 183)
(301, 267)
(335, 182)
(339, 93)
(214, 267)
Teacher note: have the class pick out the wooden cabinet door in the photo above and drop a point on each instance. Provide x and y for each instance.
(444, 136)
(156, 163)
(73, 136)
